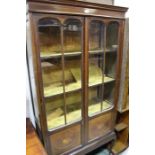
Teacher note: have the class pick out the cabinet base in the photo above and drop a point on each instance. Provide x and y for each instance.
(93, 145)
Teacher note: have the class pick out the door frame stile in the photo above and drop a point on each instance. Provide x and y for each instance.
(85, 81)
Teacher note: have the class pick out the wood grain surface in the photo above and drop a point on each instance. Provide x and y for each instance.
(33, 144)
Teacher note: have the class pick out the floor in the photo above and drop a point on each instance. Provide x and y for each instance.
(33, 144)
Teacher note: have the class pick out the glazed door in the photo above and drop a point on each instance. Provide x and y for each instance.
(61, 58)
(102, 45)
(77, 65)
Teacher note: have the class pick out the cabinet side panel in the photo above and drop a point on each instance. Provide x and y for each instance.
(122, 104)
(32, 73)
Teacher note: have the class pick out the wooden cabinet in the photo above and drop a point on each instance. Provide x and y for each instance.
(74, 52)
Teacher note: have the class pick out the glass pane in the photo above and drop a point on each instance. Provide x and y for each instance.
(96, 35)
(96, 63)
(110, 65)
(96, 66)
(73, 106)
(112, 45)
(100, 98)
(112, 36)
(72, 69)
(72, 84)
(55, 111)
(72, 36)
(108, 95)
(52, 77)
(95, 99)
(96, 58)
(72, 73)
(49, 36)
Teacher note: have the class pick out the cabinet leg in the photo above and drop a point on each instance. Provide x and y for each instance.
(110, 145)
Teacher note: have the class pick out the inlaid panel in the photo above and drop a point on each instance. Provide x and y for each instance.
(100, 126)
(66, 140)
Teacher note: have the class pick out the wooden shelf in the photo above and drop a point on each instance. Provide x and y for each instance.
(99, 81)
(121, 126)
(124, 110)
(46, 64)
(108, 79)
(72, 53)
(96, 108)
(119, 147)
(53, 91)
(73, 30)
(56, 118)
(101, 51)
(58, 55)
(76, 53)
(95, 51)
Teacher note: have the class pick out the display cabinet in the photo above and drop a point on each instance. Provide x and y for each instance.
(74, 54)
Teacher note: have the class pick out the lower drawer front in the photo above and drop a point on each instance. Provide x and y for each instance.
(100, 126)
(66, 140)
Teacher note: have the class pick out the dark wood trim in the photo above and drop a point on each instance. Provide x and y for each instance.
(118, 69)
(85, 81)
(98, 138)
(73, 10)
(63, 74)
(104, 48)
(83, 4)
(59, 15)
(82, 84)
(72, 150)
(60, 18)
